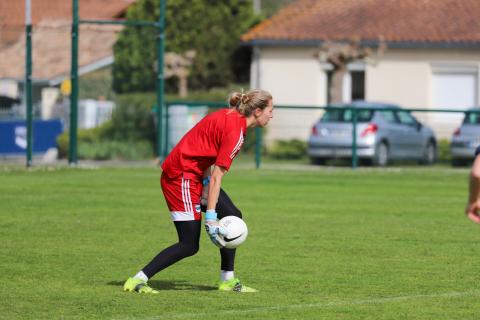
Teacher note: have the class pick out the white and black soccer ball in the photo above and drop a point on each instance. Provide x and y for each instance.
(237, 231)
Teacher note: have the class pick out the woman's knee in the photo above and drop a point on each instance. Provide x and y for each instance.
(238, 213)
(189, 249)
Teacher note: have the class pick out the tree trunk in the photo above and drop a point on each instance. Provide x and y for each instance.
(336, 87)
(182, 86)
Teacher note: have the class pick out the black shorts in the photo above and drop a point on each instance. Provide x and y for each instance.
(225, 206)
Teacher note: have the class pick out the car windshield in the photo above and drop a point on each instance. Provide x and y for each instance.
(345, 115)
(472, 118)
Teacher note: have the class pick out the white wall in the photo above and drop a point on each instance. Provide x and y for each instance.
(9, 88)
(294, 77)
(50, 96)
(401, 82)
(406, 77)
(402, 76)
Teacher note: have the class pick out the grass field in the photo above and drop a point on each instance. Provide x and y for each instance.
(323, 244)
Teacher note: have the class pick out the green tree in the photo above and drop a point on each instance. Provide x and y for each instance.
(270, 7)
(211, 28)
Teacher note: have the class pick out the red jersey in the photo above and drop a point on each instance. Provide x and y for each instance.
(216, 139)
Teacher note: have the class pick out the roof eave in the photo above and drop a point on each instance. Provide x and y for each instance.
(368, 43)
(57, 80)
(96, 65)
(40, 81)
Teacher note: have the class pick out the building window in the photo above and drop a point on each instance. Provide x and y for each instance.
(358, 85)
(353, 85)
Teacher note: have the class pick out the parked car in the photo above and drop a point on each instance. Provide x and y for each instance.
(382, 135)
(466, 139)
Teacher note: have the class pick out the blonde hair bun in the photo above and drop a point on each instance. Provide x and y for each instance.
(246, 103)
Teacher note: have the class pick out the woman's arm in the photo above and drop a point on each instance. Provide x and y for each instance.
(214, 186)
(473, 204)
(206, 182)
(211, 221)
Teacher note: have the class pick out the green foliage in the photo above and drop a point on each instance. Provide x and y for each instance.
(84, 136)
(444, 153)
(129, 135)
(121, 150)
(97, 84)
(92, 145)
(250, 141)
(211, 28)
(270, 7)
(133, 118)
(288, 149)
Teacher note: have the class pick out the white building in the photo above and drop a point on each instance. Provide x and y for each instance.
(432, 58)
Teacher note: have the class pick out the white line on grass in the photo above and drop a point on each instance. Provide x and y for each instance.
(346, 303)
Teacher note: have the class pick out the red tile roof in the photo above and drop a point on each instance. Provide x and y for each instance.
(51, 40)
(52, 50)
(12, 13)
(393, 20)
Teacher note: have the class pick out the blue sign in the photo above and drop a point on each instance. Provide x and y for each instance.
(13, 136)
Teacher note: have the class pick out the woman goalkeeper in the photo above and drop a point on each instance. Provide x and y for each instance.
(192, 176)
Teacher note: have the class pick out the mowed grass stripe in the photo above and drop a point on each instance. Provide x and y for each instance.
(266, 309)
(70, 237)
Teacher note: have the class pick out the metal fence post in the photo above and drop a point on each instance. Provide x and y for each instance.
(354, 138)
(161, 143)
(28, 80)
(167, 129)
(258, 147)
(72, 150)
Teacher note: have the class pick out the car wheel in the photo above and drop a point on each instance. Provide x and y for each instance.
(429, 153)
(318, 161)
(456, 162)
(381, 156)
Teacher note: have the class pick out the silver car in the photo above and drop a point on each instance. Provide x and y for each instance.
(382, 135)
(466, 139)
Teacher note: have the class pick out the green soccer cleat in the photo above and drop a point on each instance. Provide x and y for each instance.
(234, 285)
(138, 285)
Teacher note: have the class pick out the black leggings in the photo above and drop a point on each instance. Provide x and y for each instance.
(225, 207)
(188, 240)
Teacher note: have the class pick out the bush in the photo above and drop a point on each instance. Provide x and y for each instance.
(90, 146)
(133, 118)
(129, 135)
(251, 140)
(84, 136)
(444, 154)
(96, 84)
(120, 150)
(288, 149)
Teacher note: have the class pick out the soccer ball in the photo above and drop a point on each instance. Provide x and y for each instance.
(237, 231)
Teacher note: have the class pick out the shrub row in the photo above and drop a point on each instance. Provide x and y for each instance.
(288, 149)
